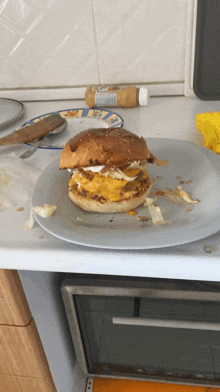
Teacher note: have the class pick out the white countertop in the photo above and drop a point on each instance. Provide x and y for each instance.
(35, 249)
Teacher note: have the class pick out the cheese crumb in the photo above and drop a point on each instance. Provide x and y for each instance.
(185, 196)
(131, 212)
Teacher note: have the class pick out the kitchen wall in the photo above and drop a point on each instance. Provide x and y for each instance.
(62, 43)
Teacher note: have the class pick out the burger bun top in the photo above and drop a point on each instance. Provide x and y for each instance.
(104, 146)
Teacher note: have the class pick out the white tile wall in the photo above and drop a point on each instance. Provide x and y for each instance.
(49, 43)
(141, 41)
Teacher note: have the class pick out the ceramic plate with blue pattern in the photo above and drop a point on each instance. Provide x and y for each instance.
(78, 120)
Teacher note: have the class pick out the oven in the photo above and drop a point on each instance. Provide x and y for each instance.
(145, 329)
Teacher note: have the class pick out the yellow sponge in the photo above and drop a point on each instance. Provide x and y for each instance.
(209, 125)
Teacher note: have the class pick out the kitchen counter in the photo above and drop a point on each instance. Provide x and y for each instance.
(35, 249)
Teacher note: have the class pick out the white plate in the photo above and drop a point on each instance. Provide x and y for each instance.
(10, 112)
(122, 231)
(79, 120)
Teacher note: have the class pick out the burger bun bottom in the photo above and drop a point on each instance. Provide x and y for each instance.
(108, 207)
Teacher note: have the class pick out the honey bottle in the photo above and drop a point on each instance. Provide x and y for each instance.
(125, 97)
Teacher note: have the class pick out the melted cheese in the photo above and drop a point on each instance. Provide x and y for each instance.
(132, 172)
(108, 187)
(104, 186)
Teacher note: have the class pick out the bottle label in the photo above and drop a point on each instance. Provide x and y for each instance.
(106, 99)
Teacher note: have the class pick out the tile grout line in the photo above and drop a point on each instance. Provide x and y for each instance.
(96, 41)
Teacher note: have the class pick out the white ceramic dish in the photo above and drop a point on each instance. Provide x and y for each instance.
(10, 112)
(187, 161)
(79, 120)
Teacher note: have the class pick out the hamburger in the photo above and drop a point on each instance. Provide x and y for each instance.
(108, 169)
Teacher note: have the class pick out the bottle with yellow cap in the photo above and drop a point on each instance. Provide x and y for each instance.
(126, 97)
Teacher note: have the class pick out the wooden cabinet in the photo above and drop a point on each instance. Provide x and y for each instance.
(14, 309)
(23, 363)
(25, 384)
(21, 352)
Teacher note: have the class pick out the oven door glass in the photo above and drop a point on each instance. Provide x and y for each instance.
(150, 338)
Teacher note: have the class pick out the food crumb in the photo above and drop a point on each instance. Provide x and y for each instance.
(111, 220)
(131, 212)
(160, 193)
(188, 209)
(207, 249)
(185, 182)
(155, 212)
(79, 219)
(162, 162)
(73, 226)
(30, 223)
(185, 196)
(20, 209)
(45, 211)
(142, 218)
(41, 237)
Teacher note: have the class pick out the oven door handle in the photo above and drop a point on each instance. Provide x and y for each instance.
(138, 321)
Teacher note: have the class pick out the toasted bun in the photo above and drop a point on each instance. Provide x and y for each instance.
(104, 146)
(110, 207)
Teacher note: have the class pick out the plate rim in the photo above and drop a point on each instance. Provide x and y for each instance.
(16, 117)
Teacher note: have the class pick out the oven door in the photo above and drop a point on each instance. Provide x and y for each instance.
(171, 335)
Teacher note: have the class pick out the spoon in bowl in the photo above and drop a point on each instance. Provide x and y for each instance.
(33, 147)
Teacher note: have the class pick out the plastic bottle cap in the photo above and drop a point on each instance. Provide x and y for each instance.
(143, 96)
